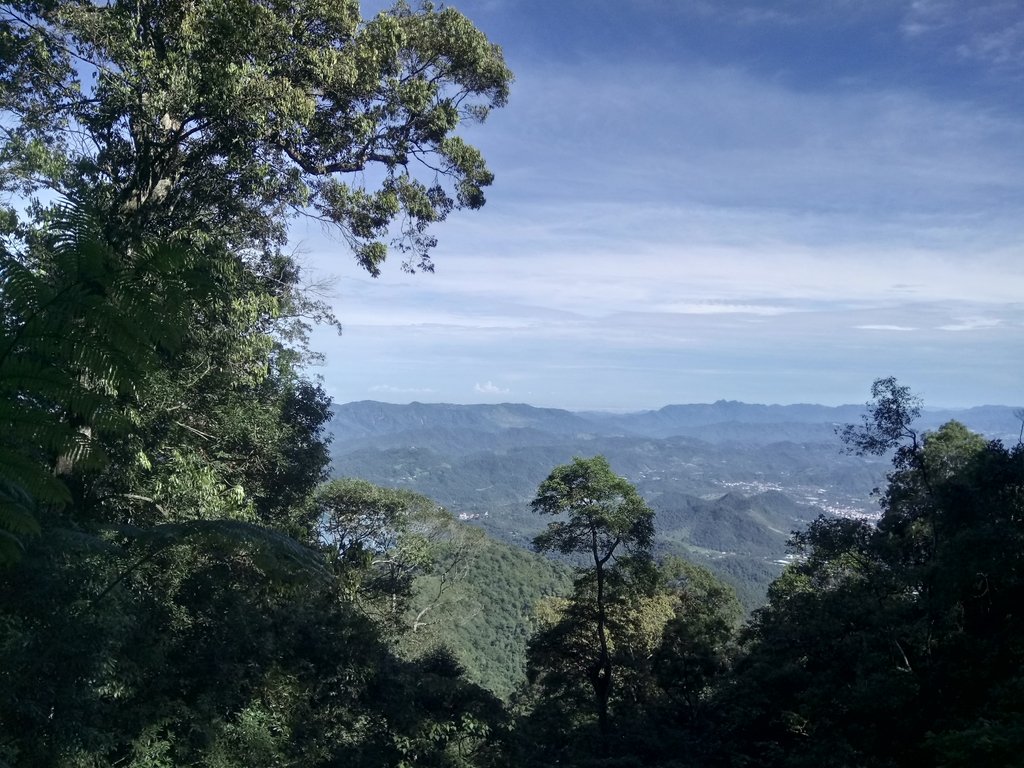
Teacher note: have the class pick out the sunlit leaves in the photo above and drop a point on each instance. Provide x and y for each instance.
(226, 117)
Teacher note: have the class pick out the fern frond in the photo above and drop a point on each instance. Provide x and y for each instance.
(30, 474)
(19, 506)
(81, 324)
(11, 547)
(17, 518)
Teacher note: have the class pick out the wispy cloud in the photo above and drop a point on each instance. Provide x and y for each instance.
(489, 388)
(1001, 47)
(885, 328)
(722, 308)
(741, 13)
(925, 16)
(988, 31)
(972, 324)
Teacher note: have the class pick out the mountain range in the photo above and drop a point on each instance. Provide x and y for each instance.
(729, 481)
(369, 422)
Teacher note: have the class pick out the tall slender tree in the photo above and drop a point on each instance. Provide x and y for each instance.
(605, 522)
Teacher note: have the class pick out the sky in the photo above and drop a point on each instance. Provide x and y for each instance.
(695, 200)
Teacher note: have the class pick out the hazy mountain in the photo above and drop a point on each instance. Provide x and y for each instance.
(375, 422)
(465, 428)
(729, 481)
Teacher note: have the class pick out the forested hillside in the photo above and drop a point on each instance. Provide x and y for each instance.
(495, 613)
(183, 584)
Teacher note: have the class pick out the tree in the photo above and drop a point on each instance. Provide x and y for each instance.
(82, 325)
(398, 552)
(209, 125)
(893, 645)
(611, 527)
(888, 424)
(154, 621)
(697, 640)
(223, 119)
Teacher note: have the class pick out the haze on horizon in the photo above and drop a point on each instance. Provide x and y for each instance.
(771, 202)
(926, 408)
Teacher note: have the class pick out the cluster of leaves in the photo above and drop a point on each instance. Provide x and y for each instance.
(220, 119)
(401, 555)
(80, 323)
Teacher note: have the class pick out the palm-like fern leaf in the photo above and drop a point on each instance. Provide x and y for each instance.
(81, 323)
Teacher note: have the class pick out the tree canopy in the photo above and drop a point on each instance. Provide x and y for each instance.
(223, 119)
(891, 644)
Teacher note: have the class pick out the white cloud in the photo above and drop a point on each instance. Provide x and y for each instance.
(971, 324)
(489, 388)
(884, 328)
(400, 390)
(722, 308)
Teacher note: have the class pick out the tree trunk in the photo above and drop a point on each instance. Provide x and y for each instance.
(601, 674)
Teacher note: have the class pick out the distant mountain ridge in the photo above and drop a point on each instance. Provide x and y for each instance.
(367, 422)
(664, 421)
(366, 417)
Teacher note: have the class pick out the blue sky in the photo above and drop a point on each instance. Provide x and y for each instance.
(704, 199)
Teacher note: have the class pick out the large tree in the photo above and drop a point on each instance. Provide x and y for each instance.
(208, 125)
(162, 613)
(222, 119)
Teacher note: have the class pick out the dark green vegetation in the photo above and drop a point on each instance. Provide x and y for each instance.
(181, 587)
(429, 580)
(898, 644)
(166, 596)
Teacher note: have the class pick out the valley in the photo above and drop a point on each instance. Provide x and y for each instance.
(728, 481)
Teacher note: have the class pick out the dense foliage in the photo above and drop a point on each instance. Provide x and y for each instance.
(898, 644)
(179, 585)
(176, 601)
